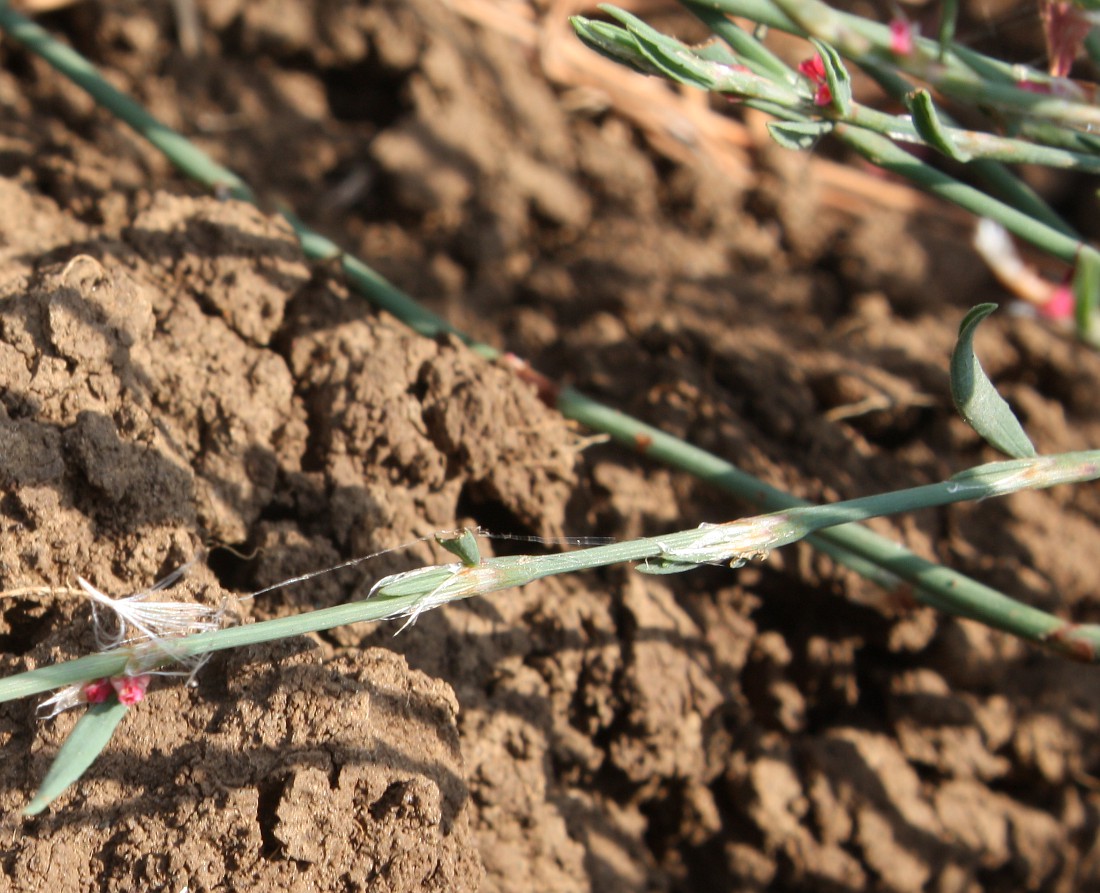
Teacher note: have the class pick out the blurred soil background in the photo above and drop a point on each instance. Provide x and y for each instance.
(175, 378)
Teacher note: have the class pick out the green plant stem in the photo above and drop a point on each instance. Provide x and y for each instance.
(924, 580)
(889, 156)
(184, 154)
(855, 547)
(975, 143)
(1000, 180)
(758, 57)
(408, 593)
(381, 292)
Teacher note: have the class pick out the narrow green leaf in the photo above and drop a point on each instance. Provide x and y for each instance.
(928, 125)
(660, 566)
(949, 13)
(798, 134)
(717, 52)
(675, 60)
(975, 397)
(1086, 292)
(85, 742)
(836, 76)
(748, 48)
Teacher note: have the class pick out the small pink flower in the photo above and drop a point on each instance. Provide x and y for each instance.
(1060, 305)
(823, 95)
(130, 689)
(814, 69)
(97, 692)
(902, 37)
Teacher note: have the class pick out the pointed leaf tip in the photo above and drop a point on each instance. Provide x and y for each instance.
(977, 400)
(928, 124)
(85, 742)
(798, 134)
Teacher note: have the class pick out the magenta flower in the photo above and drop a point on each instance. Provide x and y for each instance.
(902, 37)
(130, 689)
(814, 69)
(97, 692)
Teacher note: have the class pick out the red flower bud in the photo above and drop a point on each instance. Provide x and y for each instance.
(97, 692)
(902, 37)
(814, 69)
(130, 689)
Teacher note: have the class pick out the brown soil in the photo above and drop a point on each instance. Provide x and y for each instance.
(174, 376)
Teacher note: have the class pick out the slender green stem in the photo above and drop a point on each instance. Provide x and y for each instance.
(734, 542)
(184, 154)
(756, 55)
(382, 293)
(1000, 180)
(887, 155)
(973, 142)
(926, 581)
